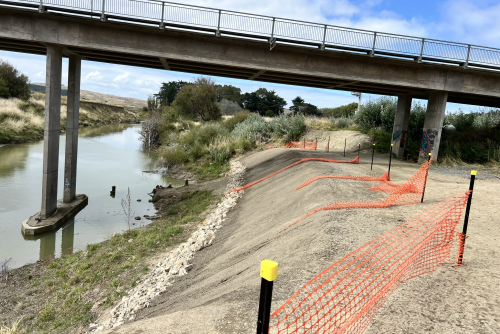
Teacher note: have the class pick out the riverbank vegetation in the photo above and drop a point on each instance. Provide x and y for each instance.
(66, 294)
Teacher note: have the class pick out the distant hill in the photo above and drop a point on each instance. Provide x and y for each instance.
(98, 97)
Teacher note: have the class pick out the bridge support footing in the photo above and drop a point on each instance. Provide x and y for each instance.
(401, 121)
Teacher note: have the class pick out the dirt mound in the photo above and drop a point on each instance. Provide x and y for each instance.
(220, 294)
(337, 138)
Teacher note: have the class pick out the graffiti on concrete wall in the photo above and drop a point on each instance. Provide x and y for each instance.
(428, 138)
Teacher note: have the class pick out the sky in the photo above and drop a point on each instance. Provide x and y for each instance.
(474, 22)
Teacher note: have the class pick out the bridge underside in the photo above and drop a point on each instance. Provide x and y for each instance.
(245, 73)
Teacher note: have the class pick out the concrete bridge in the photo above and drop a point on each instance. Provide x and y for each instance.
(209, 41)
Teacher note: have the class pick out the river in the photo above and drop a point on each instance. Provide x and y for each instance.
(109, 155)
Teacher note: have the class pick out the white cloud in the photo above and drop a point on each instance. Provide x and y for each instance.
(94, 76)
(122, 77)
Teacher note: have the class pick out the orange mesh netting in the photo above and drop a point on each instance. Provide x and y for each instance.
(346, 296)
(305, 145)
(384, 177)
(354, 161)
(406, 193)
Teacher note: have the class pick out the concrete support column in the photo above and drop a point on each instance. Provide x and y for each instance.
(52, 130)
(433, 124)
(74, 74)
(401, 121)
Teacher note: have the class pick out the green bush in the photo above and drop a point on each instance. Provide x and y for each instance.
(239, 117)
(288, 128)
(347, 110)
(12, 83)
(342, 122)
(251, 127)
(175, 156)
(378, 113)
(382, 140)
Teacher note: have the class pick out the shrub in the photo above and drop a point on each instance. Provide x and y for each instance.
(198, 100)
(347, 110)
(228, 107)
(382, 140)
(461, 121)
(175, 156)
(377, 113)
(208, 132)
(288, 127)
(251, 127)
(342, 122)
(239, 117)
(12, 83)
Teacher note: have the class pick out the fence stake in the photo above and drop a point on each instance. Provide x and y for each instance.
(328, 151)
(268, 272)
(466, 218)
(373, 154)
(345, 144)
(304, 143)
(359, 148)
(390, 160)
(425, 180)
(316, 143)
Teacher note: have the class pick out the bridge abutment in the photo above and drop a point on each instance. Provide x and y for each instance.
(433, 124)
(401, 121)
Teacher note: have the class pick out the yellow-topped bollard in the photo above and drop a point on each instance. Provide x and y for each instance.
(269, 270)
(473, 172)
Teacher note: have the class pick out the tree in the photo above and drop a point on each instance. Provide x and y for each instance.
(347, 110)
(198, 100)
(12, 83)
(169, 91)
(299, 105)
(229, 92)
(263, 100)
(228, 107)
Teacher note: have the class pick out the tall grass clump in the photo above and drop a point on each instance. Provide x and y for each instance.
(288, 128)
(342, 122)
(251, 128)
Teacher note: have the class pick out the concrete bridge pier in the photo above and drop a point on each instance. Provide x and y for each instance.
(401, 121)
(433, 124)
(52, 130)
(74, 75)
(54, 213)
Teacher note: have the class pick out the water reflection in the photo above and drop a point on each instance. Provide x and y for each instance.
(103, 130)
(12, 158)
(48, 241)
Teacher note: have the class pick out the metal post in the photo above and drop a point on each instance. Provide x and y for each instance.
(328, 150)
(304, 143)
(468, 54)
(162, 24)
(373, 47)
(40, 8)
(272, 29)
(268, 272)
(425, 180)
(324, 38)
(316, 144)
(91, 8)
(373, 154)
(390, 160)
(103, 17)
(359, 149)
(345, 144)
(421, 50)
(466, 218)
(217, 33)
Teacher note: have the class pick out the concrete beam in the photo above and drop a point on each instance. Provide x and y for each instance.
(401, 121)
(433, 125)
(51, 130)
(256, 75)
(72, 120)
(165, 63)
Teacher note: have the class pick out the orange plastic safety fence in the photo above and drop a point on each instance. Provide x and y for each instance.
(354, 161)
(406, 193)
(327, 147)
(305, 145)
(346, 296)
(461, 246)
(384, 177)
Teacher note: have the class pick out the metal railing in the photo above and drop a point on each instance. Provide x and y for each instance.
(174, 15)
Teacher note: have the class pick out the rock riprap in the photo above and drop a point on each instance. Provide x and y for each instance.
(177, 262)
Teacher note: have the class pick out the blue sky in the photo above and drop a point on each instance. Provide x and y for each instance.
(461, 21)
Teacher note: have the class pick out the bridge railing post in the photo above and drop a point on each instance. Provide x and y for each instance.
(372, 53)
(40, 7)
(324, 38)
(421, 50)
(217, 33)
(468, 55)
(103, 16)
(162, 24)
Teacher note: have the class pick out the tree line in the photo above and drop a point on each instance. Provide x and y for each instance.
(205, 100)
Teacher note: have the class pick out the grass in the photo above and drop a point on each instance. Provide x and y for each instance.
(102, 273)
(23, 121)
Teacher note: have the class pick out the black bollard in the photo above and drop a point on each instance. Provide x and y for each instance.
(390, 160)
(268, 272)
(466, 218)
(345, 144)
(425, 180)
(373, 154)
(112, 192)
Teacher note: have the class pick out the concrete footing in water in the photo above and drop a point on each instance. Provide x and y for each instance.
(34, 225)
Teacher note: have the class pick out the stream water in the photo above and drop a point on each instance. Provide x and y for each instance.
(110, 155)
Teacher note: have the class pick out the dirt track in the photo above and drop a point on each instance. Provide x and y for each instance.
(220, 294)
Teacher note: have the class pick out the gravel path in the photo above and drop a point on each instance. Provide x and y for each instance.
(464, 171)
